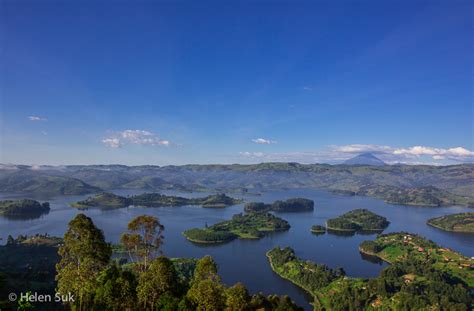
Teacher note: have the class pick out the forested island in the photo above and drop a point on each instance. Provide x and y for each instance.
(318, 229)
(462, 222)
(290, 205)
(245, 226)
(358, 220)
(82, 265)
(110, 200)
(23, 207)
(410, 283)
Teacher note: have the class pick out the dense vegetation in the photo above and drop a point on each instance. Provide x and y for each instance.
(28, 263)
(104, 200)
(396, 247)
(358, 220)
(307, 275)
(318, 229)
(110, 200)
(409, 284)
(290, 205)
(247, 226)
(22, 207)
(85, 269)
(402, 184)
(462, 222)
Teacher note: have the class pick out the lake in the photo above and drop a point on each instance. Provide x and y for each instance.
(244, 260)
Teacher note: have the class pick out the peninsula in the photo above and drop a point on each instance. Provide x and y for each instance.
(244, 226)
(397, 247)
(411, 282)
(462, 222)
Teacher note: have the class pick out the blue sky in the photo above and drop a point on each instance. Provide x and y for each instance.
(144, 82)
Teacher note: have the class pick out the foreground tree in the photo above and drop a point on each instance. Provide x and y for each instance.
(116, 289)
(144, 238)
(206, 292)
(158, 280)
(84, 255)
(237, 298)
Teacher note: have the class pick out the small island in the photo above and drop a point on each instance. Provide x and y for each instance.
(396, 247)
(104, 200)
(23, 207)
(358, 220)
(110, 200)
(462, 222)
(317, 229)
(244, 226)
(290, 205)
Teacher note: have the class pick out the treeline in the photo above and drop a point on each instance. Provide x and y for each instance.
(290, 205)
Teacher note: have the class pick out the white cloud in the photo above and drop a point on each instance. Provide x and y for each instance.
(263, 141)
(112, 142)
(308, 88)
(134, 137)
(390, 155)
(36, 118)
(456, 154)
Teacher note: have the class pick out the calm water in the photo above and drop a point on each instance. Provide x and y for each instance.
(244, 260)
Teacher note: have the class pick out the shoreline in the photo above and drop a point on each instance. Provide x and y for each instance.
(447, 230)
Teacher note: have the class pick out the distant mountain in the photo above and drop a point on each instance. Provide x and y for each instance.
(365, 159)
(36, 182)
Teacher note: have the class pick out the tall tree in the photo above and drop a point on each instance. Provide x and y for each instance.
(237, 298)
(206, 292)
(206, 268)
(159, 279)
(116, 289)
(84, 255)
(144, 238)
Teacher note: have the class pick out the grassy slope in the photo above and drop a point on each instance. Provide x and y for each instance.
(397, 246)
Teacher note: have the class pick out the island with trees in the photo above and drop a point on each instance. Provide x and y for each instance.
(358, 220)
(318, 229)
(81, 264)
(23, 207)
(289, 205)
(245, 226)
(461, 222)
(110, 200)
(411, 282)
(104, 200)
